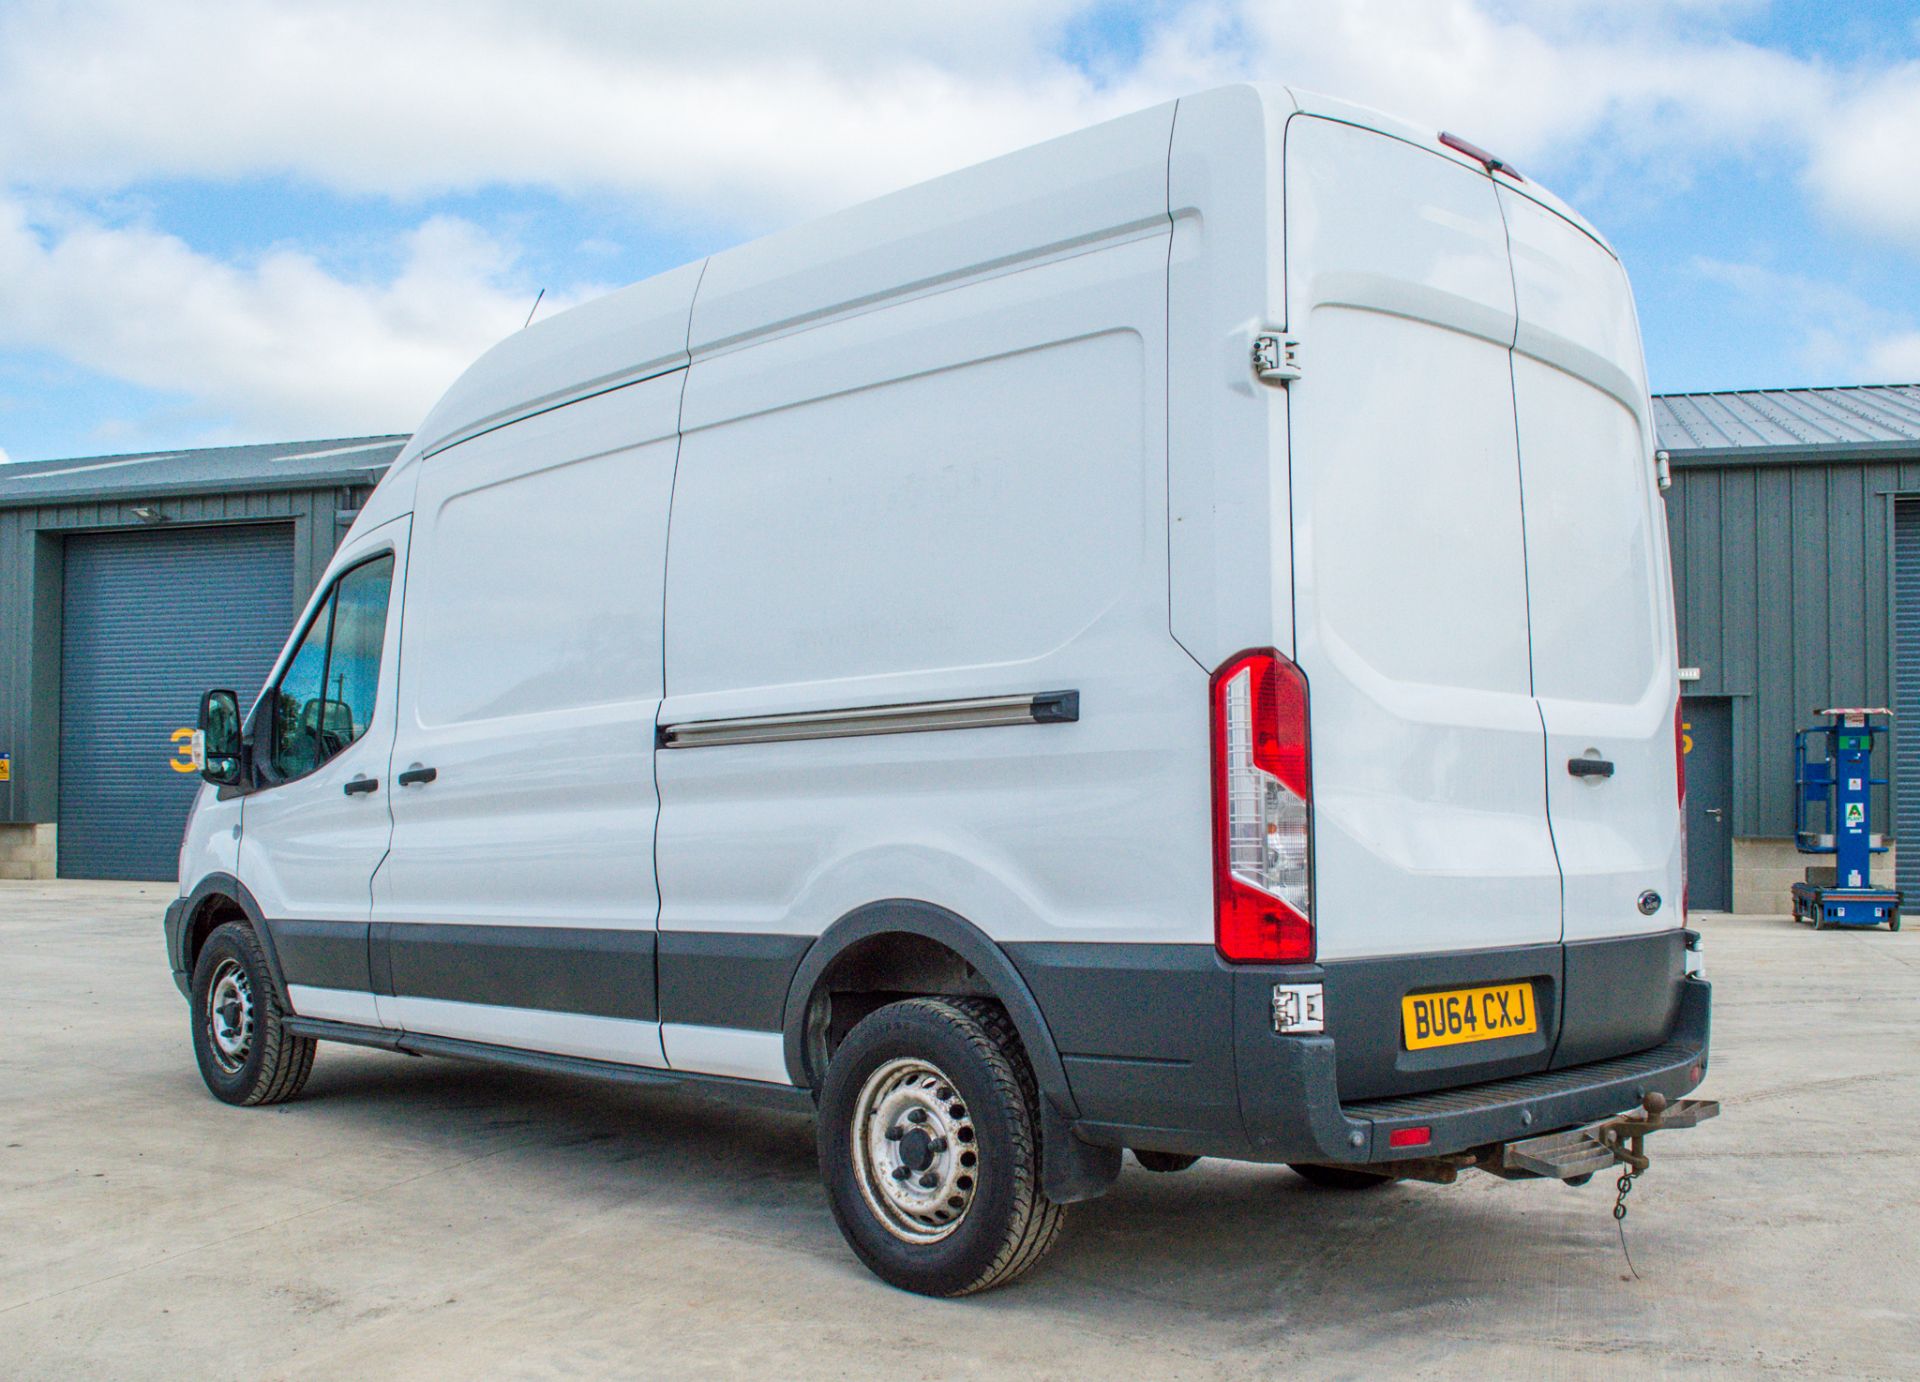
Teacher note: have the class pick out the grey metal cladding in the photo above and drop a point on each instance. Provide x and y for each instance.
(150, 619)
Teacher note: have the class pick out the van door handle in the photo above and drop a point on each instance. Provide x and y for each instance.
(359, 786)
(417, 774)
(1590, 767)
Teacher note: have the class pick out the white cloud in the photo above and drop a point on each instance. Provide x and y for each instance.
(279, 346)
(1829, 332)
(1894, 359)
(775, 110)
(760, 113)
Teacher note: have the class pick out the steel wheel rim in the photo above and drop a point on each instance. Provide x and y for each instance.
(910, 1118)
(230, 1016)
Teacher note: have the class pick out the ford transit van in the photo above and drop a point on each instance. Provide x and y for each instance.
(1158, 643)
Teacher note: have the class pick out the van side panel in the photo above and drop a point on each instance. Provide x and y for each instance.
(1053, 198)
(1228, 525)
(1410, 580)
(958, 495)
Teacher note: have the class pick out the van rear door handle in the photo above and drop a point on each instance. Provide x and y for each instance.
(1590, 767)
(357, 786)
(417, 774)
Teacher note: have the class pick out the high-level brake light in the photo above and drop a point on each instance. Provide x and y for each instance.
(1480, 156)
(1262, 811)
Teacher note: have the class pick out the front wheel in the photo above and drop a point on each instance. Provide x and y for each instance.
(930, 1147)
(246, 1054)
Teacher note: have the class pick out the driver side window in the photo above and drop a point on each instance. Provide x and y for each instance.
(324, 701)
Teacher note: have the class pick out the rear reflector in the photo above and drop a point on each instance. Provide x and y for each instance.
(1409, 1137)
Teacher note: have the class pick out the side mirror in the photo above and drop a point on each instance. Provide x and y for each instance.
(220, 738)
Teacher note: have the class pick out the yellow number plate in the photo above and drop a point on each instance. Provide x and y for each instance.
(1448, 1019)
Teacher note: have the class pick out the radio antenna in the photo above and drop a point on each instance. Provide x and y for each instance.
(531, 310)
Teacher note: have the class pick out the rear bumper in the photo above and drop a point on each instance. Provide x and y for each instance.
(1168, 1049)
(175, 926)
(1527, 1105)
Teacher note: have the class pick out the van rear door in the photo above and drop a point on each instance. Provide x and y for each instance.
(1603, 641)
(1410, 593)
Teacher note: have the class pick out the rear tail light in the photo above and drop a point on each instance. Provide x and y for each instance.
(1262, 811)
(1410, 1137)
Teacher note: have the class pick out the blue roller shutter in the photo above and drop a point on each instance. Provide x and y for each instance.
(1906, 696)
(151, 619)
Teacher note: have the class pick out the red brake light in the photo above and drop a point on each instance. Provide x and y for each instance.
(1409, 1137)
(1262, 799)
(1480, 156)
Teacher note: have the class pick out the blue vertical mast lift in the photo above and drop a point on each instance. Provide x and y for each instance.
(1839, 783)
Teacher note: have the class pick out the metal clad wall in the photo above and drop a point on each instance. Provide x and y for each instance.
(1906, 676)
(1782, 576)
(30, 603)
(149, 620)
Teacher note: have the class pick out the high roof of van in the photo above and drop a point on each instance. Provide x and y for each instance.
(1043, 200)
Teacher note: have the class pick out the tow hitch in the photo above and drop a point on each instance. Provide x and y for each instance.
(1575, 1155)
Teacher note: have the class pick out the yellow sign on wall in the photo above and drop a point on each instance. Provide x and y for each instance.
(6, 767)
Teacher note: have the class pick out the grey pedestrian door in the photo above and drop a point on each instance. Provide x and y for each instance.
(150, 619)
(1707, 723)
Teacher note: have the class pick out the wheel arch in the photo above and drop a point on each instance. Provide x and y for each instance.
(214, 901)
(914, 935)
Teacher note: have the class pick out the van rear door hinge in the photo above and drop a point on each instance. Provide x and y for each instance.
(1276, 358)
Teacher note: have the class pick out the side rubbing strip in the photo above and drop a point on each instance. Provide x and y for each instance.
(983, 712)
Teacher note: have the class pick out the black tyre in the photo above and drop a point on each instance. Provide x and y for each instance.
(245, 1053)
(930, 1147)
(1166, 1163)
(1339, 1177)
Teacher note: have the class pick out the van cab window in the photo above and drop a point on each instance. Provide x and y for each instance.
(324, 701)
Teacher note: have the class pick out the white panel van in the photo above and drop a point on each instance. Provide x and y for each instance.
(1161, 642)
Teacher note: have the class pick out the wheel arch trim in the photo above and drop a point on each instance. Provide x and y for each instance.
(928, 921)
(226, 887)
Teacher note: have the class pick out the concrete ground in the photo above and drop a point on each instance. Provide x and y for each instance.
(425, 1219)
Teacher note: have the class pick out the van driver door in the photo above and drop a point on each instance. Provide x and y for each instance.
(315, 822)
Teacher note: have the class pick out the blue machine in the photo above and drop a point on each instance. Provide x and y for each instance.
(1840, 784)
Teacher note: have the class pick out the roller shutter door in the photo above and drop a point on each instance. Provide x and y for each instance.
(149, 621)
(1906, 696)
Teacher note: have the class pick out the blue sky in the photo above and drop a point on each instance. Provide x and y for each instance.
(237, 220)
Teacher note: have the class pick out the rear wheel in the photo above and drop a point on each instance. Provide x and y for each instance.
(930, 1148)
(1338, 1177)
(245, 1053)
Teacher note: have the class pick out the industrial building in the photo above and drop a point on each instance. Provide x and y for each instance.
(1795, 522)
(129, 584)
